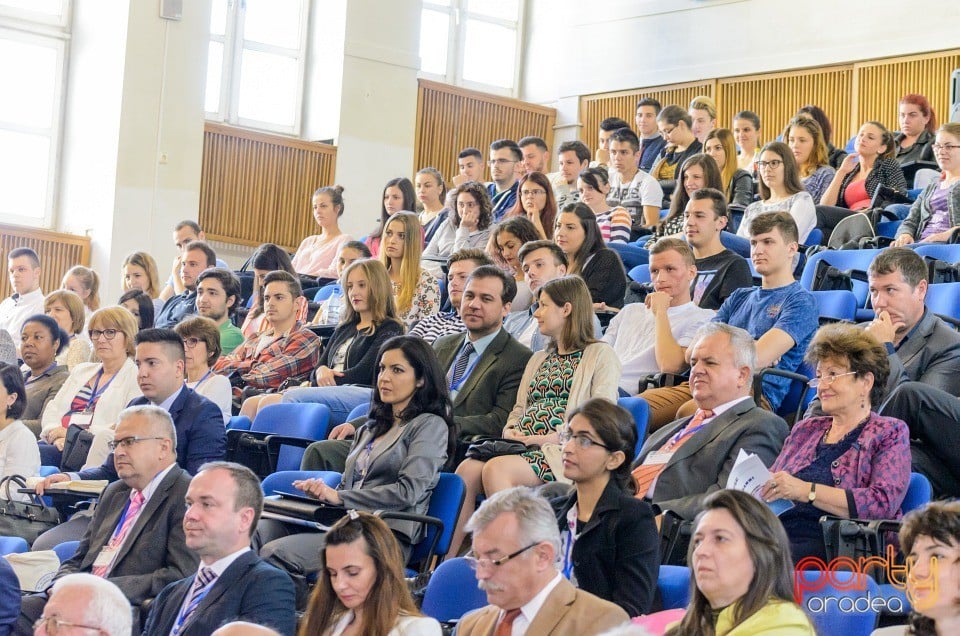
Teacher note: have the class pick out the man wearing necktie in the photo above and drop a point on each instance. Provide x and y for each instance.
(515, 545)
(135, 538)
(687, 459)
(224, 503)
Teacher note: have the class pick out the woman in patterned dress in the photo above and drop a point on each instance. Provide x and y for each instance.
(572, 369)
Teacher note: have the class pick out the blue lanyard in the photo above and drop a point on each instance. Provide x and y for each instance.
(94, 393)
(123, 518)
(206, 376)
(570, 537)
(466, 372)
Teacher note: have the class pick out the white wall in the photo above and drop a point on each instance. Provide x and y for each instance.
(579, 48)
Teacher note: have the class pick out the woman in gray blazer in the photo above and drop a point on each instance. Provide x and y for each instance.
(393, 464)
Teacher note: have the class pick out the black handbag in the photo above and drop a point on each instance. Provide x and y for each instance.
(26, 519)
(487, 449)
(76, 447)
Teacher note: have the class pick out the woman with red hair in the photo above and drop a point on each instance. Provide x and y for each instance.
(918, 125)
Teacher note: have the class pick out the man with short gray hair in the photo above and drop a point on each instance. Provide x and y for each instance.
(85, 602)
(135, 538)
(515, 546)
(690, 457)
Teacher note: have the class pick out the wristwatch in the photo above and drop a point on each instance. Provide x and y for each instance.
(812, 496)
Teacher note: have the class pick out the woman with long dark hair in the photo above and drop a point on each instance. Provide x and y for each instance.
(394, 462)
(398, 196)
(609, 537)
(578, 235)
(697, 172)
(267, 258)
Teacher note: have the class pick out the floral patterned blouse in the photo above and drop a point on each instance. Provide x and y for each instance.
(426, 299)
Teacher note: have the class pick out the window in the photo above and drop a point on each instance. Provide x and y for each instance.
(255, 66)
(472, 43)
(34, 33)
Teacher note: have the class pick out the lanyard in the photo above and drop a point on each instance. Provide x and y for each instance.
(123, 518)
(466, 372)
(569, 538)
(30, 378)
(206, 376)
(94, 393)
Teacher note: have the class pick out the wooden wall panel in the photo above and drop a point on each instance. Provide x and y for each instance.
(256, 187)
(450, 119)
(58, 252)
(776, 97)
(881, 84)
(596, 108)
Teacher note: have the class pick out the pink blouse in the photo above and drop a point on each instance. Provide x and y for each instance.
(315, 256)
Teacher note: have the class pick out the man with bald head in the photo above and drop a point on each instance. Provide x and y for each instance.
(135, 538)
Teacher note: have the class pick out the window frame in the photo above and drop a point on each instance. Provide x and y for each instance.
(234, 46)
(45, 30)
(456, 38)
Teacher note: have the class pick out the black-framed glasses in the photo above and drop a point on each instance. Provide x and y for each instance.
(476, 563)
(827, 380)
(533, 193)
(667, 133)
(773, 164)
(53, 625)
(501, 161)
(580, 439)
(127, 442)
(109, 334)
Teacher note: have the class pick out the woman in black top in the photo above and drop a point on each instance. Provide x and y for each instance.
(578, 235)
(609, 539)
(344, 378)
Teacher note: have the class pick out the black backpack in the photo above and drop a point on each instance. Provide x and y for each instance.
(827, 277)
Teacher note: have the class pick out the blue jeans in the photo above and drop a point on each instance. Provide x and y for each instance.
(339, 399)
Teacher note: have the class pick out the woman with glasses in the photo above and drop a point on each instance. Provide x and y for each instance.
(201, 347)
(67, 309)
(609, 542)
(935, 215)
(536, 201)
(674, 124)
(95, 392)
(850, 462)
(393, 464)
(468, 225)
(41, 339)
(780, 191)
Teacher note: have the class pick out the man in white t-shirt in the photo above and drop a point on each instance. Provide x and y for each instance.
(27, 299)
(652, 337)
(631, 187)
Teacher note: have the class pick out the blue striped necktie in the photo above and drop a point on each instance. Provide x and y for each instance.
(201, 586)
(461, 364)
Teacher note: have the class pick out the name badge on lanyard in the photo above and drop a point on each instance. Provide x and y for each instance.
(567, 539)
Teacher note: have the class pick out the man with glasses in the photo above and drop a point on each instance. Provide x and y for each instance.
(201, 436)
(82, 603)
(692, 456)
(515, 546)
(504, 156)
(135, 538)
(218, 295)
(573, 157)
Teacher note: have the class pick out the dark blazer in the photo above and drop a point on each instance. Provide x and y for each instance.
(250, 589)
(154, 553)
(931, 354)
(201, 436)
(9, 598)
(703, 463)
(605, 277)
(617, 555)
(489, 393)
(362, 352)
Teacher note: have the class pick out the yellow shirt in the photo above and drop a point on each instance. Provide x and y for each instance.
(776, 617)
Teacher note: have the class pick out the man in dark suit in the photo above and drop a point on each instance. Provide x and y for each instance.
(924, 354)
(486, 388)
(201, 436)
(687, 459)
(135, 538)
(224, 503)
(515, 543)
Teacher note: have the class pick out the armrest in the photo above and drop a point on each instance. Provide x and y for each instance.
(424, 519)
(675, 534)
(660, 380)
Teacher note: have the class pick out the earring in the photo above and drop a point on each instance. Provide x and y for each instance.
(863, 401)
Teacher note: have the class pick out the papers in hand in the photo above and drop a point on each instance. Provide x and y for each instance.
(749, 474)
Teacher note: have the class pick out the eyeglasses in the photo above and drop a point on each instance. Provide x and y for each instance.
(476, 563)
(501, 161)
(580, 439)
(773, 164)
(532, 193)
(53, 625)
(947, 147)
(109, 334)
(827, 380)
(667, 133)
(127, 442)
(191, 342)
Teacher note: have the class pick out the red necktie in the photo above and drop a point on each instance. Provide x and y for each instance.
(505, 628)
